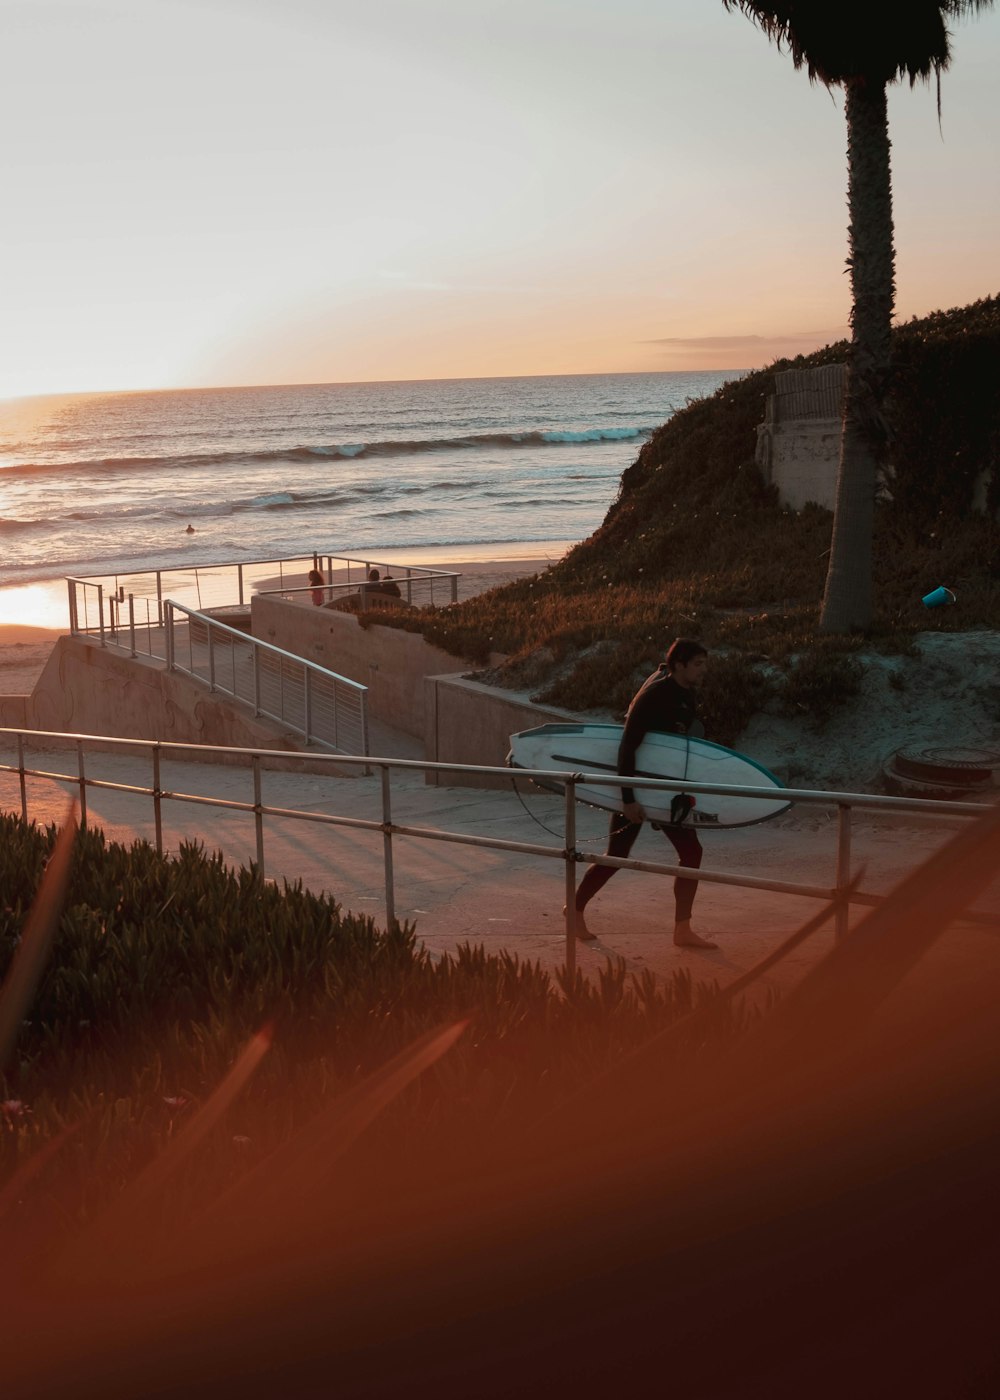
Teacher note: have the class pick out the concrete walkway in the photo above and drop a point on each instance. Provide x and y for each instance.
(509, 900)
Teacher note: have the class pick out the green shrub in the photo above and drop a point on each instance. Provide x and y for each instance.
(163, 968)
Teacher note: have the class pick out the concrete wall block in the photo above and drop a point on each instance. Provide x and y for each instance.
(804, 456)
(468, 722)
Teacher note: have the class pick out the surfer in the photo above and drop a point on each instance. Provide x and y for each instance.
(665, 702)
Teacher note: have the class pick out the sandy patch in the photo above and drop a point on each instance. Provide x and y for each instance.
(23, 654)
(949, 695)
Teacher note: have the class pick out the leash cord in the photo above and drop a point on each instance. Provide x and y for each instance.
(559, 835)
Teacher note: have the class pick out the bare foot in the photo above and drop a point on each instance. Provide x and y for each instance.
(685, 937)
(582, 931)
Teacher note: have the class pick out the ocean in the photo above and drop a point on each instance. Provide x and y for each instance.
(107, 483)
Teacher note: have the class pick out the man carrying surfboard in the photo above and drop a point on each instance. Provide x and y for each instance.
(665, 702)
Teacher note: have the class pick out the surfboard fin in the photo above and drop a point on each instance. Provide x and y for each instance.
(680, 808)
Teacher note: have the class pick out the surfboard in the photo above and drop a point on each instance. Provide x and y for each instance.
(593, 748)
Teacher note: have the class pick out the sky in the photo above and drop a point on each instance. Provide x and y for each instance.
(213, 192)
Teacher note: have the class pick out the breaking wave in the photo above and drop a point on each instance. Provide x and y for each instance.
(535, 437)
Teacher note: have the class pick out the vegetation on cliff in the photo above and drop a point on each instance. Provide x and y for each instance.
(697, 543)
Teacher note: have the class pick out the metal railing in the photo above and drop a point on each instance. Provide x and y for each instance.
(226, 584)
(841, 892)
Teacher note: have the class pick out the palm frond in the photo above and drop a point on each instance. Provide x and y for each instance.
(868, 40)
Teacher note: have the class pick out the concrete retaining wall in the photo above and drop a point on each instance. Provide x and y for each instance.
(390, 662)
(89, 689)
(468, 722)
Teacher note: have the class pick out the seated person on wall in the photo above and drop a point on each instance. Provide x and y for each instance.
(379, 592)
(375, 593)
(375, 584)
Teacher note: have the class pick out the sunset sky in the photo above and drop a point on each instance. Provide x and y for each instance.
(204, 192)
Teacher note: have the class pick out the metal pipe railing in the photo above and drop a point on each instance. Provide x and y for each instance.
(842, 891)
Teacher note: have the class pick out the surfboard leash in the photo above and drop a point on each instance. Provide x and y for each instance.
(559, 835)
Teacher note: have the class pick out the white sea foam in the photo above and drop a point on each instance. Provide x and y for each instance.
(102, 481)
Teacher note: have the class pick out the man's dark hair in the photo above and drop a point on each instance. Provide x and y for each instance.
(684, 650)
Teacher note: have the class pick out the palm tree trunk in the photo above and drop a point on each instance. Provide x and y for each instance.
(847, 602)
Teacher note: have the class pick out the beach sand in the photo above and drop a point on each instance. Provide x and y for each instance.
(25, 650)
(23, 654)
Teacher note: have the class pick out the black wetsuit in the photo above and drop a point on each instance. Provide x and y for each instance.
(663, 705)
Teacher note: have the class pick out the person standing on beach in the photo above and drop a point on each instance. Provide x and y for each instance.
(316, 584)
(667, 703)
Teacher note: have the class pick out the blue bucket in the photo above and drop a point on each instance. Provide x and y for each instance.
(938, 598)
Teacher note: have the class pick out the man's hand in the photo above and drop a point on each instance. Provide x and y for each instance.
(633, 811)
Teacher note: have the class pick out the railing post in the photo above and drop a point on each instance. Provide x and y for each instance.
(157, 800)
(569, 870)
(100, 612)
(239, 578)
(390, 892)
(454, 588)
(209, 629)
(168, 618)
(131, 623)
(83, 784)
(256, 680)
(159, 599)
(308, 703)
(20, 775)
(842, 921)
(74, 625)
(258, 815)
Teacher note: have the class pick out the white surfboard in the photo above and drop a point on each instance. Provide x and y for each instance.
(593, 748)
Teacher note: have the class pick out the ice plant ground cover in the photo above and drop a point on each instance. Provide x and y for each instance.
(162, 969)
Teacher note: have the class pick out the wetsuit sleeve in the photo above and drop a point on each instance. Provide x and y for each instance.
(638, 723)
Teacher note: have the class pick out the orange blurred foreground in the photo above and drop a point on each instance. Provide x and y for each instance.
(807, 1213)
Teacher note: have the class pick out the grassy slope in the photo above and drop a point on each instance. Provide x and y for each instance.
(698, 544)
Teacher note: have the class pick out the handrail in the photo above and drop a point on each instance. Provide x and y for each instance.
(317, 714)
(842, 892)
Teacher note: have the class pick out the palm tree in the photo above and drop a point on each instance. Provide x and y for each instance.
(862, 46)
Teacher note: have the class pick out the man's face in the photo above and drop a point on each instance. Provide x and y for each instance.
(692, 673)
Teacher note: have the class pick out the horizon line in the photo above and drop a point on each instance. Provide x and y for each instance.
(355, 383)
